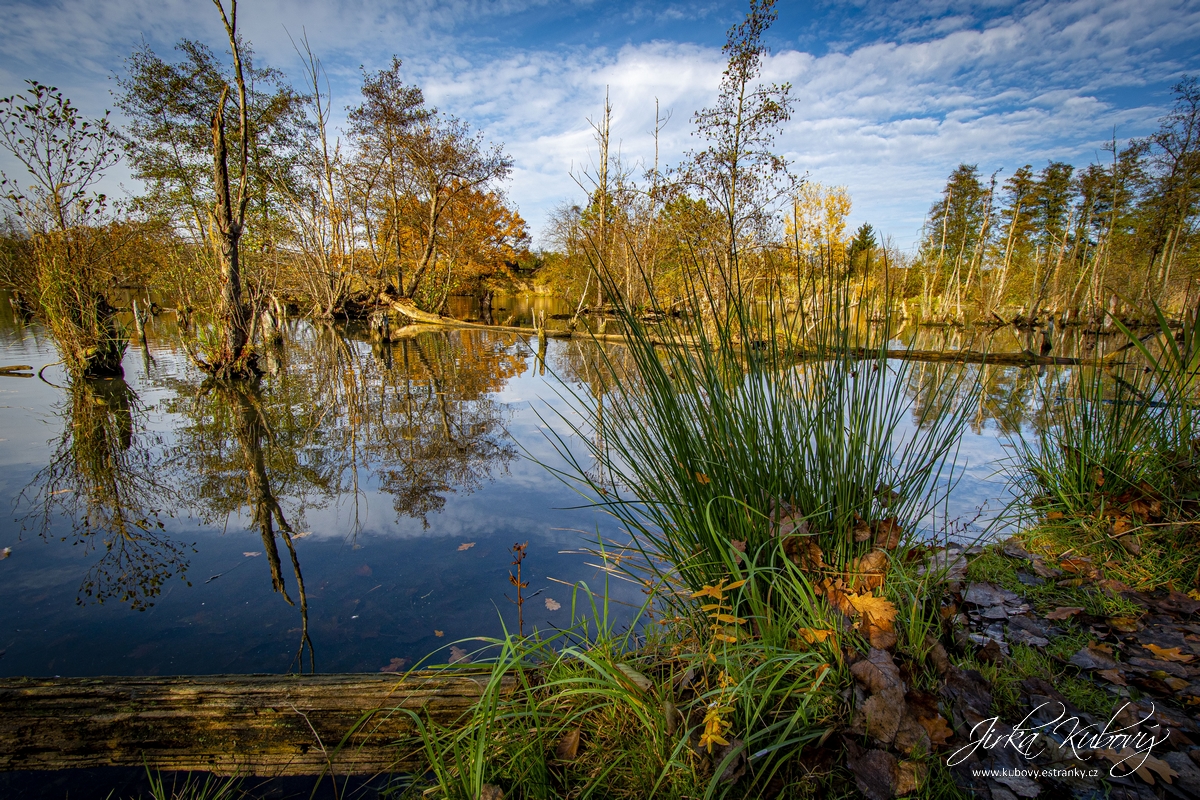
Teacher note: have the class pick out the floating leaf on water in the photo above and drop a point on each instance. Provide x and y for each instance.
(438, 634)
(465, 546)
(552, 605)
(1064, 612)
(301, 534)
(1168, 653)
(458, 655)
(5, 553)
(364, 571)
(396, 665)
(249, 554)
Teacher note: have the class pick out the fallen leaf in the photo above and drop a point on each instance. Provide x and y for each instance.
(880, 609)
(1176, 684)
(1093, 657)
(1053, 515)
(804, 552)
(861, 531)
(1123, 624)
(1112, 676)
(465, 546)
(702, 478)
(439, 634)
(1168, 653)
(877, 672)
(249, 554)
(867, 572)
(739, 549)
(552, 605)
(1064, 612)
(814, 635)
(835, 593)
(878, 615)
(396, 665)
(909, 777)
(458, 655)
(490, 792)
(1082, 567)
(301, 534)
(568, 746)
(5, 553)
(875, 773)
(638, 679)
(888, 534)
(1129, 761)
(792, 525)
(938, 729)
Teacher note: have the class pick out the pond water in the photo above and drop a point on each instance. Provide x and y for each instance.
(352, 513)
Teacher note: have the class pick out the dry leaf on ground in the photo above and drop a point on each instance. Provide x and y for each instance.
(1064, 612)
(568, 746)
(938, 729)
(814, 635)
(1144, 765)
(888, 534)
(1168, 653)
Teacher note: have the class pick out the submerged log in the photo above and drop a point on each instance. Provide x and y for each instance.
(262, 725)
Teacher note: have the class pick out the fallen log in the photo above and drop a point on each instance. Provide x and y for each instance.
(1024, 358)
(261, 725)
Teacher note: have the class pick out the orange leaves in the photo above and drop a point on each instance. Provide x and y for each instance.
(702, 479)
(815, 635)
(717, 592)
(878, 617)
(1168, 653)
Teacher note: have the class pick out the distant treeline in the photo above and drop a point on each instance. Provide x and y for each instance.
(250, 197)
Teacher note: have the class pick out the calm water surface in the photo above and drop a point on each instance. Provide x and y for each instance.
(351, 513)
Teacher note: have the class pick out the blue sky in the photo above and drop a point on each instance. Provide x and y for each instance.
(889, 96)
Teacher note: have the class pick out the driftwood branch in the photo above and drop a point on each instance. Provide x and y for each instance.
(264, 725)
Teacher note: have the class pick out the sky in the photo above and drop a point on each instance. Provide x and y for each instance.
(888, 96)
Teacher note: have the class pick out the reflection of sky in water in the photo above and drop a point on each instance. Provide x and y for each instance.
(375, 594)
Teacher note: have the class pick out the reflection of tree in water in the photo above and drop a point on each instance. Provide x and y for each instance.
(101, 476)
(237, 451)
(415, 413)
(423, 426)
(436, 428)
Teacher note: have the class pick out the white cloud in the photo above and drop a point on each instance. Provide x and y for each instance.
(910, 91)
